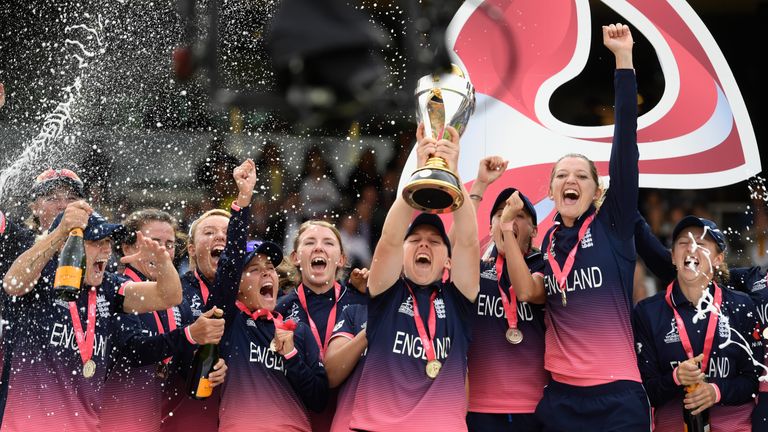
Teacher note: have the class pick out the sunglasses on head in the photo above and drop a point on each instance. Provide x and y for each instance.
(51, 174)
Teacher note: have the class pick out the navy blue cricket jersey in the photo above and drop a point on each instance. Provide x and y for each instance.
(46, 387)
(395, 392)
(491, 355)
(14, 240)
(134, 389)
(660, 350)
(589, 340)
(261, 384)
(353, 320)
(180, 413)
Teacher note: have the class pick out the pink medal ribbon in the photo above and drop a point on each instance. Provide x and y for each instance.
(709, 336)
(561, 275)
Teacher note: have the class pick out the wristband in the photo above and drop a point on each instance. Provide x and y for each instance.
(291, 354)
(235, 207)
(717, 392)
(476, 197)
(189, 335)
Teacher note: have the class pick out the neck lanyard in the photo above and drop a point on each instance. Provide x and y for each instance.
(427, 339)
(331, 317)
(513, 334)
(709, 336)
(85, 341)
(203, 287)
(169, 312)
(267, 314)
(561, 275)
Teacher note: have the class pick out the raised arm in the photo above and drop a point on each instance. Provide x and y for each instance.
(387, 262)
(465, 271)
(165, 292)
(657, 258)
(491, 169)
(528, 288)
(226, 283)
(25, 271)
(623, 194)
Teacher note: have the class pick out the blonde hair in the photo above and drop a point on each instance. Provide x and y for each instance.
(321, 223)
(193, 229)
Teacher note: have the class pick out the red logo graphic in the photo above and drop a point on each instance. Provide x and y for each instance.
(518, 52)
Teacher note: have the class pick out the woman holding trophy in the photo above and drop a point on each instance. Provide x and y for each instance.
(587, 278)
(418, 327)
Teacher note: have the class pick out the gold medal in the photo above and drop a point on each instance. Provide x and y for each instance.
(514, 336)
(89, 369)
(562, 296)
(273, 346)
(433, 368)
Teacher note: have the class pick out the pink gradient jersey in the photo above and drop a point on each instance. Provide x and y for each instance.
(491, 357)
(395, 392)
(46, 386)
(353, 320)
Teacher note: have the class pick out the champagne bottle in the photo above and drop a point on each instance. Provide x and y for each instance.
(698, 422)
(71, 269)
(206, 356)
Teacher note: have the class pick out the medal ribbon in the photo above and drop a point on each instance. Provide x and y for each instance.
(510, 304)
(561, 275)
(203, 287)
(709, 336)
(275, 317)
(331, 317)
(426, 339)
(85, 341)
(169, 312)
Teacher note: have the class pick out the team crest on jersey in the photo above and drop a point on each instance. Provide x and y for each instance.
(406, 307)
(587, 240)
(102, 305)
(440, 308)
(338, 325)
(195, 305)
(250, 323)
(672, 336)
(723, 326)
(759, 285)
(294, 315)
(61, 303)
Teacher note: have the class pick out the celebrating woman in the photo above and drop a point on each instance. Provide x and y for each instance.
(276, 373)
(318, 301)
(696, 359)
(419, 325)
(587, 280)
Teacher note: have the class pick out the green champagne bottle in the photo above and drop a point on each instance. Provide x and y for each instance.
(206, 356)
(71, 270)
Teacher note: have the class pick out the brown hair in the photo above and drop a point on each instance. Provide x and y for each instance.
(314, 222)
(137, 219)
(722, 274)
(193, 228)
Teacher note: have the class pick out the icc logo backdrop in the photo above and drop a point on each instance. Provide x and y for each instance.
(518, 52)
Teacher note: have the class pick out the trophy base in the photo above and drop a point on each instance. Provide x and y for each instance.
(434, 190)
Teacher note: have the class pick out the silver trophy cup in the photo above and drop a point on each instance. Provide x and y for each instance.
(447, 100)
